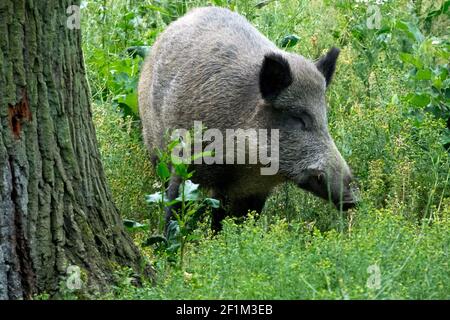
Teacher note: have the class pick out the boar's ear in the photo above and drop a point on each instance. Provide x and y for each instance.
(275, 75)
(327, 64)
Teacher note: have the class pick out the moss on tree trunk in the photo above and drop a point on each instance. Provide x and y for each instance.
(55, 207)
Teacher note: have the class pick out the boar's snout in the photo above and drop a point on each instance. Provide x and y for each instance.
(339, 188)
(350, 194)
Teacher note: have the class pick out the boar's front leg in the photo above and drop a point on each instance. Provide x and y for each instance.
(172, 194)
(218, 214)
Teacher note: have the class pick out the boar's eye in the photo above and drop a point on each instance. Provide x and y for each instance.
(302, 120)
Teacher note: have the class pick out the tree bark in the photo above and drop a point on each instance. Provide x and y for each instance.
(55, 207)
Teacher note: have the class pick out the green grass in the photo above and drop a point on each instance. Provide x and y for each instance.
(125, 161)
(301, 247)
(257, 260)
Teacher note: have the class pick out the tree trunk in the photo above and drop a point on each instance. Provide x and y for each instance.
(56, 210)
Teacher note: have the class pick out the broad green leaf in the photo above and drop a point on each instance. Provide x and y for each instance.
(163, 171)
(181, 170)
(409, 58)
(191, 192)
(130, 99)
(411, 30)
(173, 247)
(141, 51)
(289, 41)
(423, 75)
(134, 225)
(154, 198)
(419, 99)
(154, 240)
(446, 137)
(214, 203)
(173, 231)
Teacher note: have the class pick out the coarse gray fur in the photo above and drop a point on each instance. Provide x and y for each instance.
(207, 66)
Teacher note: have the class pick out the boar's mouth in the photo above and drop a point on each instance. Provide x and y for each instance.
(344, 196)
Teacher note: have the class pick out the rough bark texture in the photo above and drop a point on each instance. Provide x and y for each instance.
(55, 206)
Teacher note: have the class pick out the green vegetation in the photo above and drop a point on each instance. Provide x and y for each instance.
(125, 161)
(258, 260)
(186, 209)
(389, 105)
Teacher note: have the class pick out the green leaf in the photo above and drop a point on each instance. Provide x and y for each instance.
(171, 203)
(289, 41)
(384, 29)
(191, 192)
(154, 240)
(446, 137)
(409, 58)
(423, 75)
(193, 237)
(214, 203)
(174, 247)
(154, 198)
(181, 169)
(358, 32)
(141, 51)
(173, 144)
(173, 232)
(163, 171)
(130, 99)
(134, 225)
(411, 30)
(262, 4)
(419, 100)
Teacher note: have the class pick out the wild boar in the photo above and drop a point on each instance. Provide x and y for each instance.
(213, 66)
